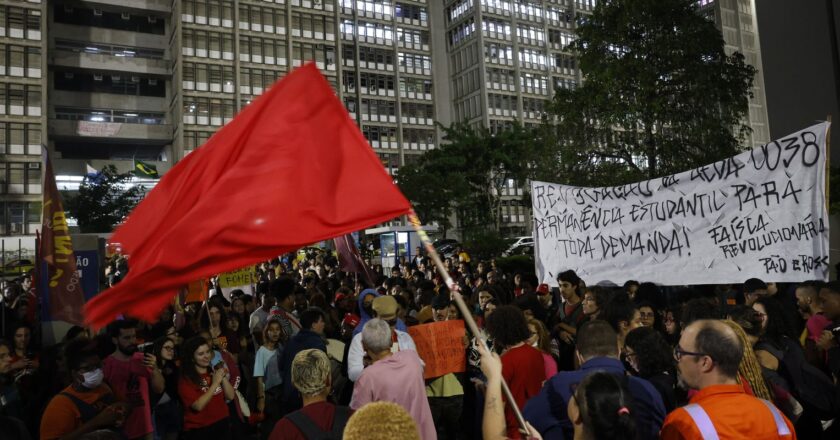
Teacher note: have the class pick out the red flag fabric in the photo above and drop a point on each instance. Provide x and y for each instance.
(349, 258)
(61, 289)
(289, 170)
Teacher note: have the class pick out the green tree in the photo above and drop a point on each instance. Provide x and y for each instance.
(660, 95)
(468, 173)
(104, 201)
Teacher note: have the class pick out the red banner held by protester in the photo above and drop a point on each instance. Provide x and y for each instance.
(62, 291)
(297, 168)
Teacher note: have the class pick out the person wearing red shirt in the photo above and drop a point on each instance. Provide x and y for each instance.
(523, 368)
(708, 356)
(203, 390)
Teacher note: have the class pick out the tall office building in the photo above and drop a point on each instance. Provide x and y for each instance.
(106, 82)
(738, 22)
(22, 115)
(507, 58)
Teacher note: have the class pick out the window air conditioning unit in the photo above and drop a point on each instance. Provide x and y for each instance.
(97, 77)
(125, 16)
(152, 82)
(152, 19)
(97, 12)
(135, 79)
(115, 78)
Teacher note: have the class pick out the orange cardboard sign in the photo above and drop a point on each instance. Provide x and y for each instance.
(441, 346)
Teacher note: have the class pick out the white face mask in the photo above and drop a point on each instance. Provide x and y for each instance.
(93, 378)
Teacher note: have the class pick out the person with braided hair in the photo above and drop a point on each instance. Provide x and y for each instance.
(749, 370)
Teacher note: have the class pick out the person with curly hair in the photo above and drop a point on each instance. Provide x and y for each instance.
(381, 421)
(523, 367)
(650, 358)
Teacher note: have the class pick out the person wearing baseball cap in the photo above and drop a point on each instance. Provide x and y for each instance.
(384, 308)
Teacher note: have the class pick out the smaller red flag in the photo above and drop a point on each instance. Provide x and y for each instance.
(349, 258)
(63, 291)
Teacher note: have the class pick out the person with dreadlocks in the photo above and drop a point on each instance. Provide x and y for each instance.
(750, 370)
(765, 383)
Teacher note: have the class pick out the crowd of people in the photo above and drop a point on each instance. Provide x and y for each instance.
(318, 353)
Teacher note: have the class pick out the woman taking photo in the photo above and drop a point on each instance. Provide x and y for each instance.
(166, 406)
(203, 390)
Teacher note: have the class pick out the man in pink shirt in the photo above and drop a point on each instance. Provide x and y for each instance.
(396, 378)
(128, 372)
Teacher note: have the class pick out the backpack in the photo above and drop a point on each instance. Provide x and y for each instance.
(314, 432)
(813, 388)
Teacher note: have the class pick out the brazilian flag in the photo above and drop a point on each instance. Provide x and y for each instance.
(143, 169)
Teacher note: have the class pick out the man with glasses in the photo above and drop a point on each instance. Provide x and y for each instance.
(708, 355)
(597, 350)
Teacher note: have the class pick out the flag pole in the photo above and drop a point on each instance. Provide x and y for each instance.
(455, 292)
(828, 164)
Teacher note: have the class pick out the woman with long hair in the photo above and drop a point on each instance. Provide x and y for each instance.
(539, 339)
(267, 372)
(213, 318)
(203, 389)
(167, 405)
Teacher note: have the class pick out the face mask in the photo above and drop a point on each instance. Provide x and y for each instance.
(93, 378)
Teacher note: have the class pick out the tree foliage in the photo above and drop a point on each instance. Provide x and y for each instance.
(103, 201)
(466, 176)
(660, 95)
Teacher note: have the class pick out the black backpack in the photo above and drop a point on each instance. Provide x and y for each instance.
(312, 431)
(813, 388)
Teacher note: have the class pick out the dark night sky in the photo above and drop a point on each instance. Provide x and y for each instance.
(800, 79)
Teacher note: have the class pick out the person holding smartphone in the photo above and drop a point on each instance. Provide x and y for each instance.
(204, 387)
(132, 374)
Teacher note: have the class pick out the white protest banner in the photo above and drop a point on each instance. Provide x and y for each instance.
(758, 214)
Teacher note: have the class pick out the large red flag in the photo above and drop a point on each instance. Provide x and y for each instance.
(291, 169)
(61, 288)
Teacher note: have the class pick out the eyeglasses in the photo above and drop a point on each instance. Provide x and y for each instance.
(679, 353)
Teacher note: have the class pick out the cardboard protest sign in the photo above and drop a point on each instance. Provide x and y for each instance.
(759, 214)
(238, 279)
(441, 346)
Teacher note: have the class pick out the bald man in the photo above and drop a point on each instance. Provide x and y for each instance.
(708, 356)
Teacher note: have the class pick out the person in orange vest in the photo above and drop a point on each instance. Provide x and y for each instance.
(708, 355)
